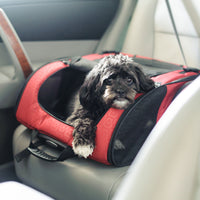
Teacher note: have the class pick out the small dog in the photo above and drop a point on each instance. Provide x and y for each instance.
(113, 82)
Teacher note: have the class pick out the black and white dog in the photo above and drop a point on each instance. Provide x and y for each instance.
(113, 82)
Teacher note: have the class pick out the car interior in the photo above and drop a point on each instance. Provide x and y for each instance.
(167, 165)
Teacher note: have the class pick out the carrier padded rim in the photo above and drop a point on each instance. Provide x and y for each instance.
(33, 115)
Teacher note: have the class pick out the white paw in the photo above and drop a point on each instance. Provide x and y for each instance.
(82, 150)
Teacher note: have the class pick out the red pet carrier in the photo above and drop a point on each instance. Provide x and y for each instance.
(41, 107)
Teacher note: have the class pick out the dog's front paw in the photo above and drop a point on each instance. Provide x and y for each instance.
(84, 138)
(82, 150)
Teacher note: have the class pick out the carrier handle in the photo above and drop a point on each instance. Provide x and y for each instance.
(65, 152)
(41, 154)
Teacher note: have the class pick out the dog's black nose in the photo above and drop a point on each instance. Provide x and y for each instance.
(120, 92)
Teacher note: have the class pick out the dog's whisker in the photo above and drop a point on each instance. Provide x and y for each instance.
(131, 96)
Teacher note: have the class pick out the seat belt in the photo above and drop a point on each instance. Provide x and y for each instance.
(175, 30)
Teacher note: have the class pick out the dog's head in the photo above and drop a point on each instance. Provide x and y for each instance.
(114, 82)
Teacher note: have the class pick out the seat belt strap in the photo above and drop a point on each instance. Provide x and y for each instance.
(175, 30)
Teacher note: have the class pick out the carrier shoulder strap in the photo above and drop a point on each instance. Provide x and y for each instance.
(175, 30)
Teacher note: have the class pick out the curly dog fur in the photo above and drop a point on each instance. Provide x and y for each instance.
(113, 82)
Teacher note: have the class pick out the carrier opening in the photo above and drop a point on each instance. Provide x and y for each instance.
(57, 93)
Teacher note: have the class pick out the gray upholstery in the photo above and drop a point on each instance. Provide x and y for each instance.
(72, 179)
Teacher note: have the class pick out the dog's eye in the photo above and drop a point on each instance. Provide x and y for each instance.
(108, 81)
(129, 80)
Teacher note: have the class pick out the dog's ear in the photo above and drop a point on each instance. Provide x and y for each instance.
(145, 83)
(89, 92)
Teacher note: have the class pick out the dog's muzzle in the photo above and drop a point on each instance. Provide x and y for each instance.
(121, 100)
(120, 92)
(120, 103)
(118, 97)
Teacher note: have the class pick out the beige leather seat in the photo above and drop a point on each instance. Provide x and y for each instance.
(151, 32)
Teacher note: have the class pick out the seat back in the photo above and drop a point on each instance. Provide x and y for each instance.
(114, 36)
(151, 33)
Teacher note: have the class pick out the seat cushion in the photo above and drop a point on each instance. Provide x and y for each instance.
(74, 178)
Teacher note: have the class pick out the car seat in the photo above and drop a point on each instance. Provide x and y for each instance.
(85, 179)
